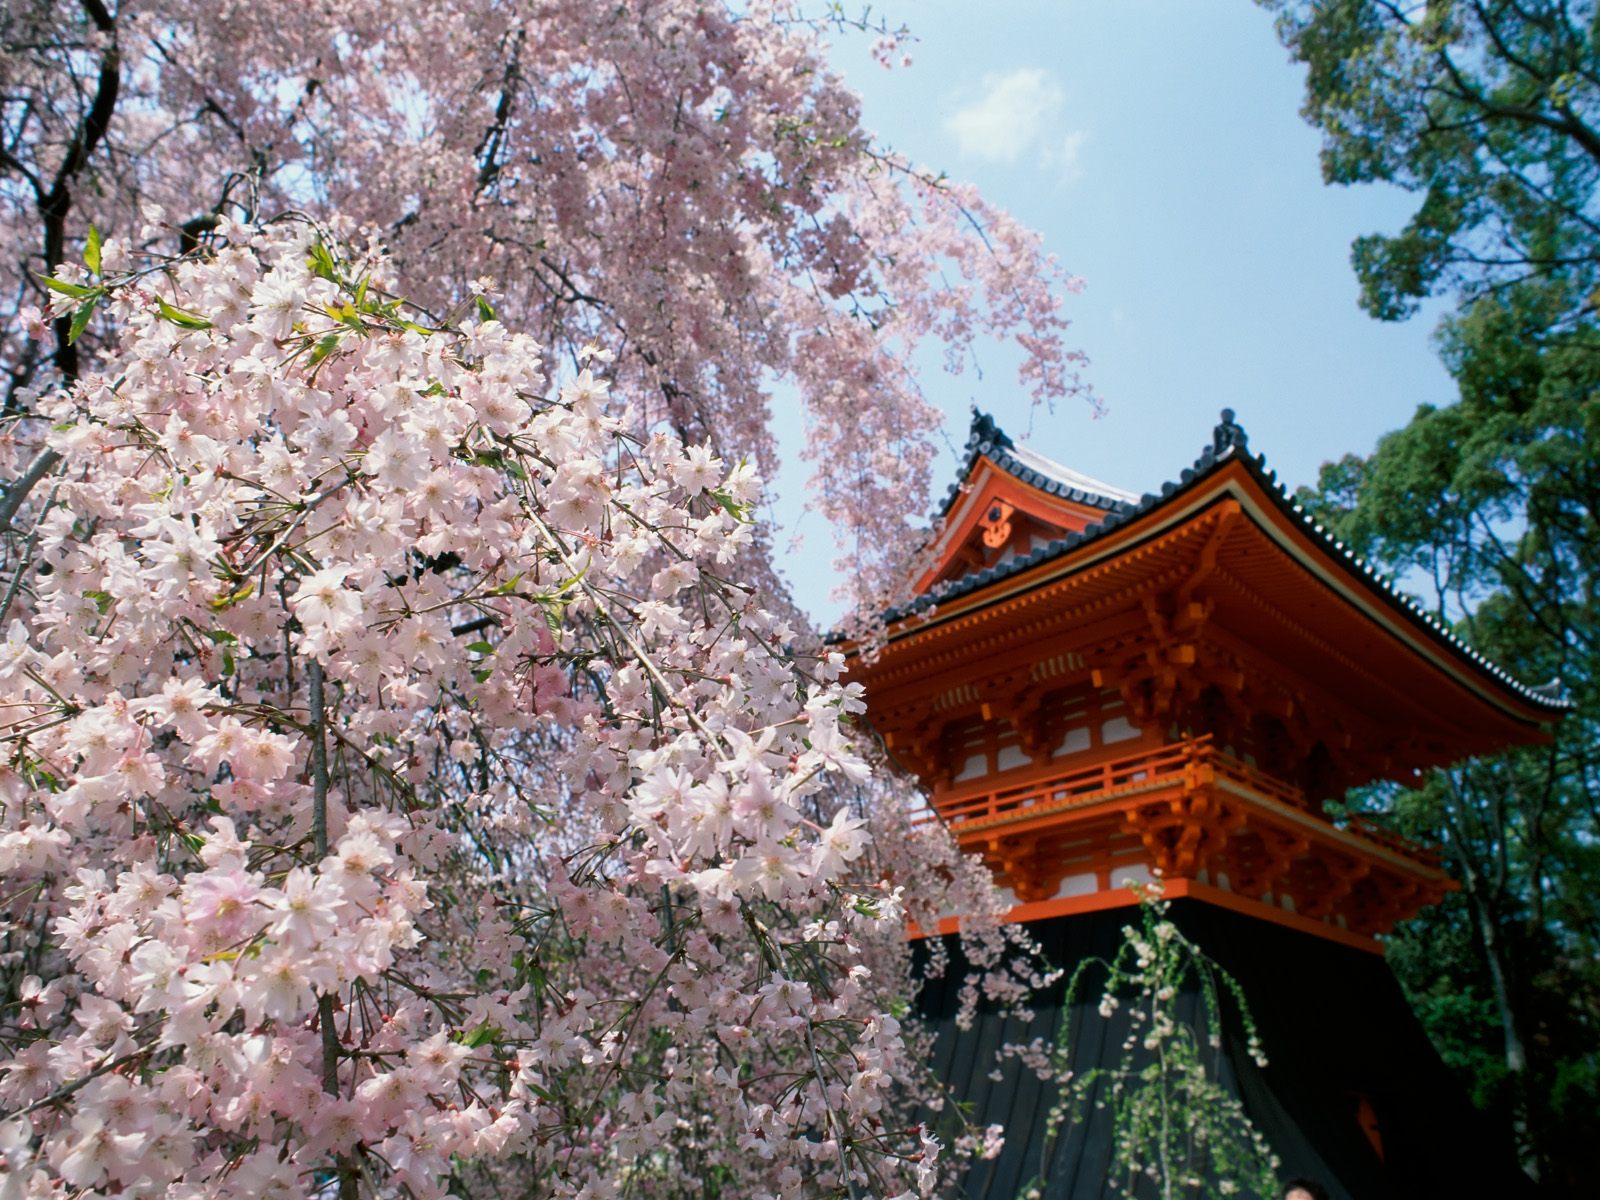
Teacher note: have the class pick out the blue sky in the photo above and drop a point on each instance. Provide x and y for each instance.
(1157, 145)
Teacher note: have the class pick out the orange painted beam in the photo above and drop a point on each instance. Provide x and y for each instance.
(1176, 889)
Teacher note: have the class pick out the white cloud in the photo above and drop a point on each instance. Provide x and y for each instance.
(1064, 155)
(1017, 113)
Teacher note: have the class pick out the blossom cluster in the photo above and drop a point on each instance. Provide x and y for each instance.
(401, 787)
(687, 181)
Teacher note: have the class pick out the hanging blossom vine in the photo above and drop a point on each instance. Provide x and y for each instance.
(1175, 1127)
(401, 794)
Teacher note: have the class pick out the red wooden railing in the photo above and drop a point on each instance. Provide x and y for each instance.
(1145, 770)
(1178, 764)
(1174, 764)
(1229, 767)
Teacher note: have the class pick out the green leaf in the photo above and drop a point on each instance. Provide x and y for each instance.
(481, 648)
(346, 314)
(228, 600)
(102, 600)
(221, 636)
(573, 581)
(91, 252)
(506, 588)
(482, 676)
(323, 348)
(178, 317)
(77, 291)
(322, 264)
(739, 512)
(473, 1038)
(485, 309)
(80, 319)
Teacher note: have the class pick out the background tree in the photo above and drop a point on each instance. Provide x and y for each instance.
(1489, 506)
(1490, 111)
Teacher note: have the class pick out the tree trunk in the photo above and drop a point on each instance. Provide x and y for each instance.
(1516, 1053)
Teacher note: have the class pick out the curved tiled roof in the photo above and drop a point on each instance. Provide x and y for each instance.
(1229, 444)
(988, 440)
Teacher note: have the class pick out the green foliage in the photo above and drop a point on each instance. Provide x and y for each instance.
(1175, 1127)
(1490, 507)
(178, 316)
(1457, 1011)
(1487, 110)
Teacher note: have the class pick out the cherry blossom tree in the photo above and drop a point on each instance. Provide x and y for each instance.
(409, 782)
(399, 786)
(688, 183)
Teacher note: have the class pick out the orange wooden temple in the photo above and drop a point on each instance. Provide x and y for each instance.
(1093, 686)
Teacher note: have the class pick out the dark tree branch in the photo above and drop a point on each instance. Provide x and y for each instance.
(55, 204)
(487, 150)
(42, 465)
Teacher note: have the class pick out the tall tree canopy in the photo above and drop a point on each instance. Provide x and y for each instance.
(1490, 112)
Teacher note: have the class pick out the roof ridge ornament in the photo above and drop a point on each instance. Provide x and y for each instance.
(984, 429)
(1228, 435)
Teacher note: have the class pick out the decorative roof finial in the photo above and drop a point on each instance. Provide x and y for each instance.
(985, 430)
(1228, 434)
(1554, 690)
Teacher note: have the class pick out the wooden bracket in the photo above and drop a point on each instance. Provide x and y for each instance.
(1319, 898)
(1256, 865)
(1182, 835)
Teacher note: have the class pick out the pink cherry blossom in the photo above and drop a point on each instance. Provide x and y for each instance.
(414, 777)
(391, 804)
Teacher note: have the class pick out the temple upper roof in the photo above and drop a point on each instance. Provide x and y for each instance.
(1106, 509)
(987, 440)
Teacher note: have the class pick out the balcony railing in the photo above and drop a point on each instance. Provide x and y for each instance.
(1189, 762)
